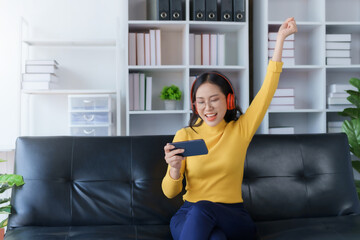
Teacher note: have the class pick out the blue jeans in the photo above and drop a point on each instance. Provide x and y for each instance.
(205, 220)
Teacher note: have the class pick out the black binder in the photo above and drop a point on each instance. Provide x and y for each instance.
(158, 9)
(176, 11)
(211, 10)
(198, 10)
(239, 10)
(226, 10)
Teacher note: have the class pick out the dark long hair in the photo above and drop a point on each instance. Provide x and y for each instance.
(219, 80)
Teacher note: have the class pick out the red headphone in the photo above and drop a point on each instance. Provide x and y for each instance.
(230, 99)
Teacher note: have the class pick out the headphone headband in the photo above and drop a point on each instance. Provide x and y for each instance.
(230, 99)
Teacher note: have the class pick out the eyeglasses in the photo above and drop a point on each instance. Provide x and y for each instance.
(201, 104)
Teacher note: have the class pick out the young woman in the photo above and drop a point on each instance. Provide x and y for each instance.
(213, 207)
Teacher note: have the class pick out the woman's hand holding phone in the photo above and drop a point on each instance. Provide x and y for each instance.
(173, 160)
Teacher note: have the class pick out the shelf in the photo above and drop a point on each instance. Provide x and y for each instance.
(223, 27)
(66, 92)
(71, 43)
(89, 126)
(165, 68)
(296, 111)
(215, 67)
(170, 26)
(300, 24)
(303, 67)
(158, 112)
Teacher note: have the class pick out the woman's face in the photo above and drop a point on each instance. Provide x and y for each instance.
(210, 103)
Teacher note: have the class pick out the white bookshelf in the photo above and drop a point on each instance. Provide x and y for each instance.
(86, 66)
(310, 76)
(175, 68)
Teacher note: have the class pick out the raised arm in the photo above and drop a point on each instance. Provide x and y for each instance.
(254, 115)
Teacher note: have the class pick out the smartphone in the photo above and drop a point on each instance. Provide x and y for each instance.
(192, 147)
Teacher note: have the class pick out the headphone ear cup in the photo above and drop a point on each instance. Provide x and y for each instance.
(230, 101)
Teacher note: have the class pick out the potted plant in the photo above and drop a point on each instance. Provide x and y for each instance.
(7, 181)
(171, 94)
(352, 127)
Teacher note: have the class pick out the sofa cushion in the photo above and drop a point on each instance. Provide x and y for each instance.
(329, 228)
(110, 232)
(79, 181)
(299, 176)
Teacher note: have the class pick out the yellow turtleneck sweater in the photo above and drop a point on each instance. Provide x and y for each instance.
(218, 176)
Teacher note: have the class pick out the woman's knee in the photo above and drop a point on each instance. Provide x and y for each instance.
(201, 209)
(217, 234)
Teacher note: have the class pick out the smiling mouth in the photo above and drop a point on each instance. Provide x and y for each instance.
(211, 117)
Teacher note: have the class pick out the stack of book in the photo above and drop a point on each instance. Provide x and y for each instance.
(281, 130)
(338, 49)
(40, 75)
(288, 54)
(165, 9)
(284, 99)
(207, 49)
(140, 92)
(145, 48)
(335, 126)
(337, 96)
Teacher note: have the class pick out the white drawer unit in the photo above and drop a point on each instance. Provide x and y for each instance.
(90, 115)
(91, 131)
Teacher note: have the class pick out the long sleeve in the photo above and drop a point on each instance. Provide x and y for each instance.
(254, 115)
(171, 187)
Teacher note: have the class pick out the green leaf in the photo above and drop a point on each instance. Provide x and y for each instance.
(355, 82)
(354, 99)
(356, 165)
(5, 209)
(352, 130)
(4, 223)
(2, 160)
(12, 179)
(4, 187)
(4, 200)
(351, 112)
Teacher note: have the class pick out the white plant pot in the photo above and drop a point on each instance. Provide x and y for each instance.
(170, 104)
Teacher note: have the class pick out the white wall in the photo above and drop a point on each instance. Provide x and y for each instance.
(64, 19)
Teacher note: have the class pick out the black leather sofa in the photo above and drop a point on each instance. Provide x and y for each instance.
(295, 187)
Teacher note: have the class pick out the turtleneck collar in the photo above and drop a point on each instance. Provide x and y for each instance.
(205, 128)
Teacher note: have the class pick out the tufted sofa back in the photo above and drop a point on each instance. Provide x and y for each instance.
(79, 181)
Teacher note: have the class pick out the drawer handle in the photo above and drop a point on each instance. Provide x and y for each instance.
(87, 101)
(89, 118)
(88, 132)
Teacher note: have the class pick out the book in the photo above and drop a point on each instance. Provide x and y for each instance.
(341, 88)
(335, 130)
(142, 92)
(335, 124)
(192, 48)
(226, 10)
(338, 37)
(158, 46)
(152, 47)
(284, 92)
(176, 10)
(132, 49)
(339, 100)
(148, 94)
(147, 49)
(338, 95)
(136, 91)
(282, 107)
(41, 62)
(38, 85)
(197, 10)
(140, 48)
(197, 49)
(158, 9)
(239, 8)
(39, 77)
(287, 45)
(283, 101)
(205, 49)
(211, 10)
(131, 91)
(337, 53)
(273, 36)
(221, 50)
(285, 52)
(281, 130)
(213, 49)
(40, 68)
(338, 45)
(338, 61)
